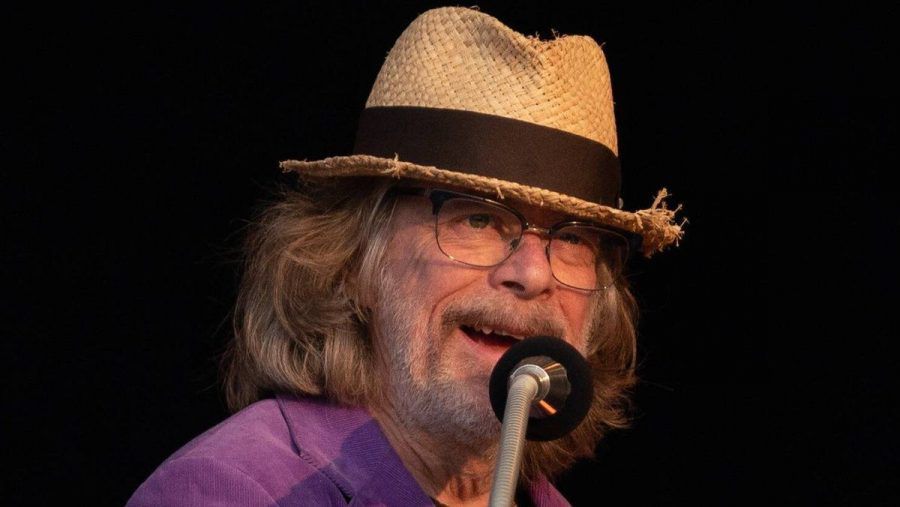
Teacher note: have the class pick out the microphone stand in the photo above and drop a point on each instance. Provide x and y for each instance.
(552, 375)
(530, 383)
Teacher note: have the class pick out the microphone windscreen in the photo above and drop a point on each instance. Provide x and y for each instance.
(578, 372)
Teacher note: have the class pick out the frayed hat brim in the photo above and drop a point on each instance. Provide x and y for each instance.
(656, 224)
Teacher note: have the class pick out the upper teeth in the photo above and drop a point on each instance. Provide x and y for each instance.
(487, 330)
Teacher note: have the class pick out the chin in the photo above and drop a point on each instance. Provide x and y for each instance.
(465, 413)
(456, 410)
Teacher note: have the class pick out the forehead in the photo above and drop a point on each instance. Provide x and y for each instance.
(534, 214)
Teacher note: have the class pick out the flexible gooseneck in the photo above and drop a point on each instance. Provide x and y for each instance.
(524, 390)
(540, 389)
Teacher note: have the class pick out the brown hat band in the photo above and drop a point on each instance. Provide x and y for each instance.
(492, 146)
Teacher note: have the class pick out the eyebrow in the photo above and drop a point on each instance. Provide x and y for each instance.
(555, 217)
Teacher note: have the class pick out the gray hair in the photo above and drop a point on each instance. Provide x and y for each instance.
(301, 317)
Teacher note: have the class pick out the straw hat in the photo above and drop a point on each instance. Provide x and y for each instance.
(463, 100)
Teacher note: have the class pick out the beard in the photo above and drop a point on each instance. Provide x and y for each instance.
(431, 392)
(430, 395)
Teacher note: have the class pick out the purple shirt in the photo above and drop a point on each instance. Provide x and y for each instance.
(293, 451)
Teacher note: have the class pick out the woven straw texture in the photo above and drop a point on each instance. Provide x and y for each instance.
(460, 58)
(655, 224)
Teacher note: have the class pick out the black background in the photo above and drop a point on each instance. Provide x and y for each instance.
(148, 134)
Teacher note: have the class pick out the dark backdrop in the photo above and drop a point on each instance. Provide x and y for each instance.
(149, 133)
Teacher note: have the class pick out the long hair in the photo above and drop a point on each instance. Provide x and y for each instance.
(298, 323)
(300, 320)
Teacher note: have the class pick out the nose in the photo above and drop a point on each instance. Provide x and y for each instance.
(527, 271)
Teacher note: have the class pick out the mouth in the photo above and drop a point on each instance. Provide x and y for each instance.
(486, 331)
(492, 341)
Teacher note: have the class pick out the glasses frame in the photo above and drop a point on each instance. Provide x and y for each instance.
(438, 196)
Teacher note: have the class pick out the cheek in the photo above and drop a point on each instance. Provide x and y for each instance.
(578, 313)
(423, 270)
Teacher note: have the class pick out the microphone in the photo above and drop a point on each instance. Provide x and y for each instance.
(540, 389)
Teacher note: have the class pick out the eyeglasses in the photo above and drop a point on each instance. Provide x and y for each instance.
(480, 232)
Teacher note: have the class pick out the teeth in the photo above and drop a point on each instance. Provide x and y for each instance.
(488, 330)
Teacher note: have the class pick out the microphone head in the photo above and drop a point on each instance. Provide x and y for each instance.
(572, 399)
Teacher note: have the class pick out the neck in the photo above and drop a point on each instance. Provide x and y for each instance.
(450, 472)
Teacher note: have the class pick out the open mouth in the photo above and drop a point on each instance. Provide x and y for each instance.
(490, 338)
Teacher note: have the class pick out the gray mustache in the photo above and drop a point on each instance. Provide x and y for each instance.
(531, 322)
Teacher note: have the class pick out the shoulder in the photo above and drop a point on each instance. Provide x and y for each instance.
(248, 459)
(542, 493)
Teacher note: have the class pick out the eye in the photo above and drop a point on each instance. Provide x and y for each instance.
(479, 221)
(571, 238)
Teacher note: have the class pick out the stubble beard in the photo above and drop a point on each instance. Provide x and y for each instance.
(430, 394)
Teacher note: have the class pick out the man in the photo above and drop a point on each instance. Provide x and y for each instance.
(481, 207)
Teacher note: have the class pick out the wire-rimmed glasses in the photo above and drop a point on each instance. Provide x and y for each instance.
(481, 232)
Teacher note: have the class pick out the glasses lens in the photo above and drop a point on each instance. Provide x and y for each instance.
(475, 232)
(587, 257)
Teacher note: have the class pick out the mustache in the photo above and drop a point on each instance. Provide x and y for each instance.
(521, 320)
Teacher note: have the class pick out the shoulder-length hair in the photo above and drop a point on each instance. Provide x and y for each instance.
(300, 320)
(299, 325)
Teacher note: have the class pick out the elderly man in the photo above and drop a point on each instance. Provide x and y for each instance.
(480, 207)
